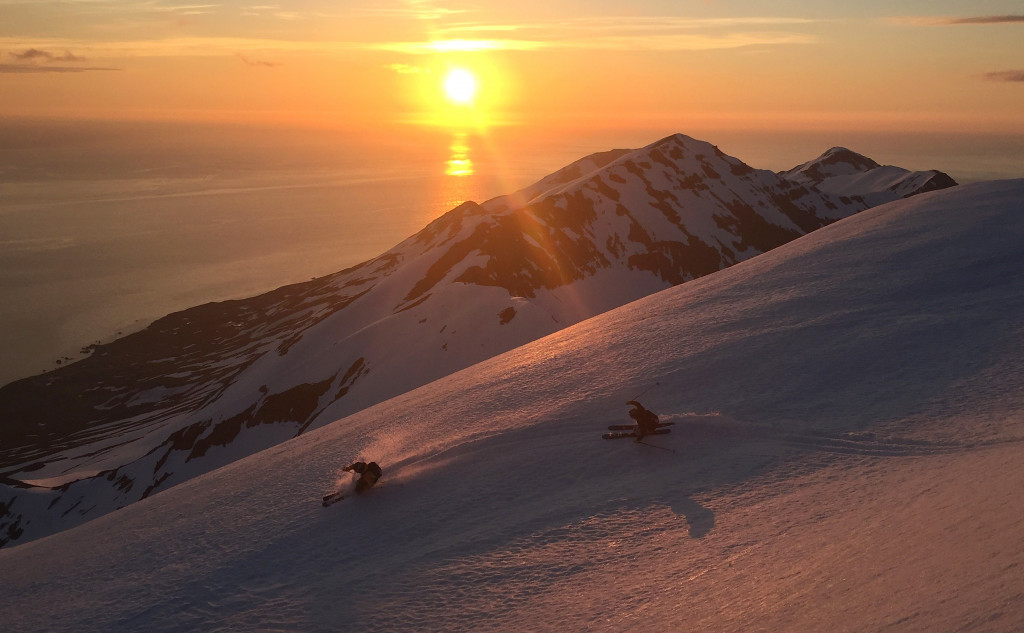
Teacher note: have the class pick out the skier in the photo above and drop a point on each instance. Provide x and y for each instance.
(646, 420)
(368, 474)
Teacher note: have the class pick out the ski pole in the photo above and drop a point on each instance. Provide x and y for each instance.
(672, 450)
(637, 397)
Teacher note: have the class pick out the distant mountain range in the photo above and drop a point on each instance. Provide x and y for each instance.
(204, 387)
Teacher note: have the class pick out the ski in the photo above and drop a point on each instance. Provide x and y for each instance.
(629, 427)
(335, 497)
(615, 436)
(341, 495)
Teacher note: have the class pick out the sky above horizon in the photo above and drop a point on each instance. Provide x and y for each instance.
(868, 65)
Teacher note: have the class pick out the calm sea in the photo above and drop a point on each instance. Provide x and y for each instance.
(105, 226)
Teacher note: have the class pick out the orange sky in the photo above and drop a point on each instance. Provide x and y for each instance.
(739, 64)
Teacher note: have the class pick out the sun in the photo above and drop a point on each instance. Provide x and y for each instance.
(460, 86)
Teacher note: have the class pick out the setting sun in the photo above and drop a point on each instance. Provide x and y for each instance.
(460, 86)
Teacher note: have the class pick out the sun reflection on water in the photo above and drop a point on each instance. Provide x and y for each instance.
(459, 164)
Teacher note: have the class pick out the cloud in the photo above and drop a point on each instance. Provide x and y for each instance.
(256, 62)
(34, 54)
(660, 34)
(652, 33)
(413, 9)
(427, 10)
(405, 69)
(184, 9)
(32, 68)
(598, 25)
(988, 19)
(1006, 75)
(185, 46)
(27, 61)
(648, 42)
(947, 21)
(458, 45)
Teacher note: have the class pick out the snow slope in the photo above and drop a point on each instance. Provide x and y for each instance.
(847, 174)
(203, 387)
(848, 442)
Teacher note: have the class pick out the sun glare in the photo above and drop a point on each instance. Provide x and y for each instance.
(460, 86)
(459, 96)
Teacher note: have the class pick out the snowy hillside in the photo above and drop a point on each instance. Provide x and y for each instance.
(848, 174)
(847, 457)
(201, 388)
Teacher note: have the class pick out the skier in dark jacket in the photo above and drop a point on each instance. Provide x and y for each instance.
(368, 474)
(646, 420)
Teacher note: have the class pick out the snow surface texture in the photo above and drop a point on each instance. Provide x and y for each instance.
(204, 387)
(848, 444)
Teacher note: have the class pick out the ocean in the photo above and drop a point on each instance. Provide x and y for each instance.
(106, 225)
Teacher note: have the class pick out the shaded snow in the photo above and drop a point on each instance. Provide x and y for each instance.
(847, 458)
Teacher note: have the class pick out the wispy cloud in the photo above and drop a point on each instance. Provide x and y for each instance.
(651, 33)
(256, 62)
(988, 19)
(404, 69)
(183, 9)
(663, 42)
(1006, 75)
(253, 48)
(584, 33)
(35, 54)
(619, 24)
(952, 21)
(38, 60)
(458, 45)
(414, 9)
(33, 68)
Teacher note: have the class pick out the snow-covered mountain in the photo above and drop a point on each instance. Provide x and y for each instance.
(201, 388)
(845, 173)
(848, 445)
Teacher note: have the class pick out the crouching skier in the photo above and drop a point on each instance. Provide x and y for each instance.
(368, 474)
(646, 420)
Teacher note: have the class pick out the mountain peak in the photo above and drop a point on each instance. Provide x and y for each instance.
(836, 161)
(843, 172)
(683, 142)
(678, 137)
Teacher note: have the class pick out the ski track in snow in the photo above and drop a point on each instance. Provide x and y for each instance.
(558, 557)
(537, 538)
